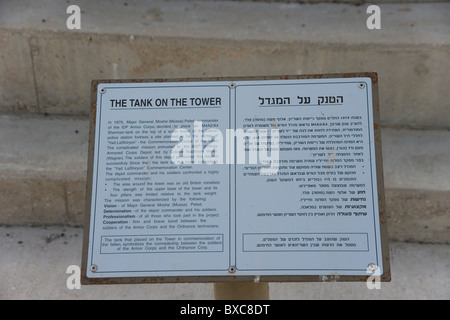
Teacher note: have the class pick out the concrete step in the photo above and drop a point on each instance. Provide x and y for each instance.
(47, 68)
(43, 163)
(42, 169)
(354, 2)
(35, 261)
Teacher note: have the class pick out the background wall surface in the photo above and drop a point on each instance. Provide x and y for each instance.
(46, 71)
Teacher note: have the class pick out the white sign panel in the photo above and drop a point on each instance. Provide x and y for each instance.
(232, 179)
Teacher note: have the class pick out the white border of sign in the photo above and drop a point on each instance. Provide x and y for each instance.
(231, 276)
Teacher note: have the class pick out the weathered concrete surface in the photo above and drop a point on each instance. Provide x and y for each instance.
(43, 163)
(48, 68)
(42, 169)
(416, 159)
(354, 2)
(45, 75)
(418, 215)
(40, 147)
(35, 260)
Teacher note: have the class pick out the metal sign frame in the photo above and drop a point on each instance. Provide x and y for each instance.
(386, 276)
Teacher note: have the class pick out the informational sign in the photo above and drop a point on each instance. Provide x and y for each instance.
(235, 179)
